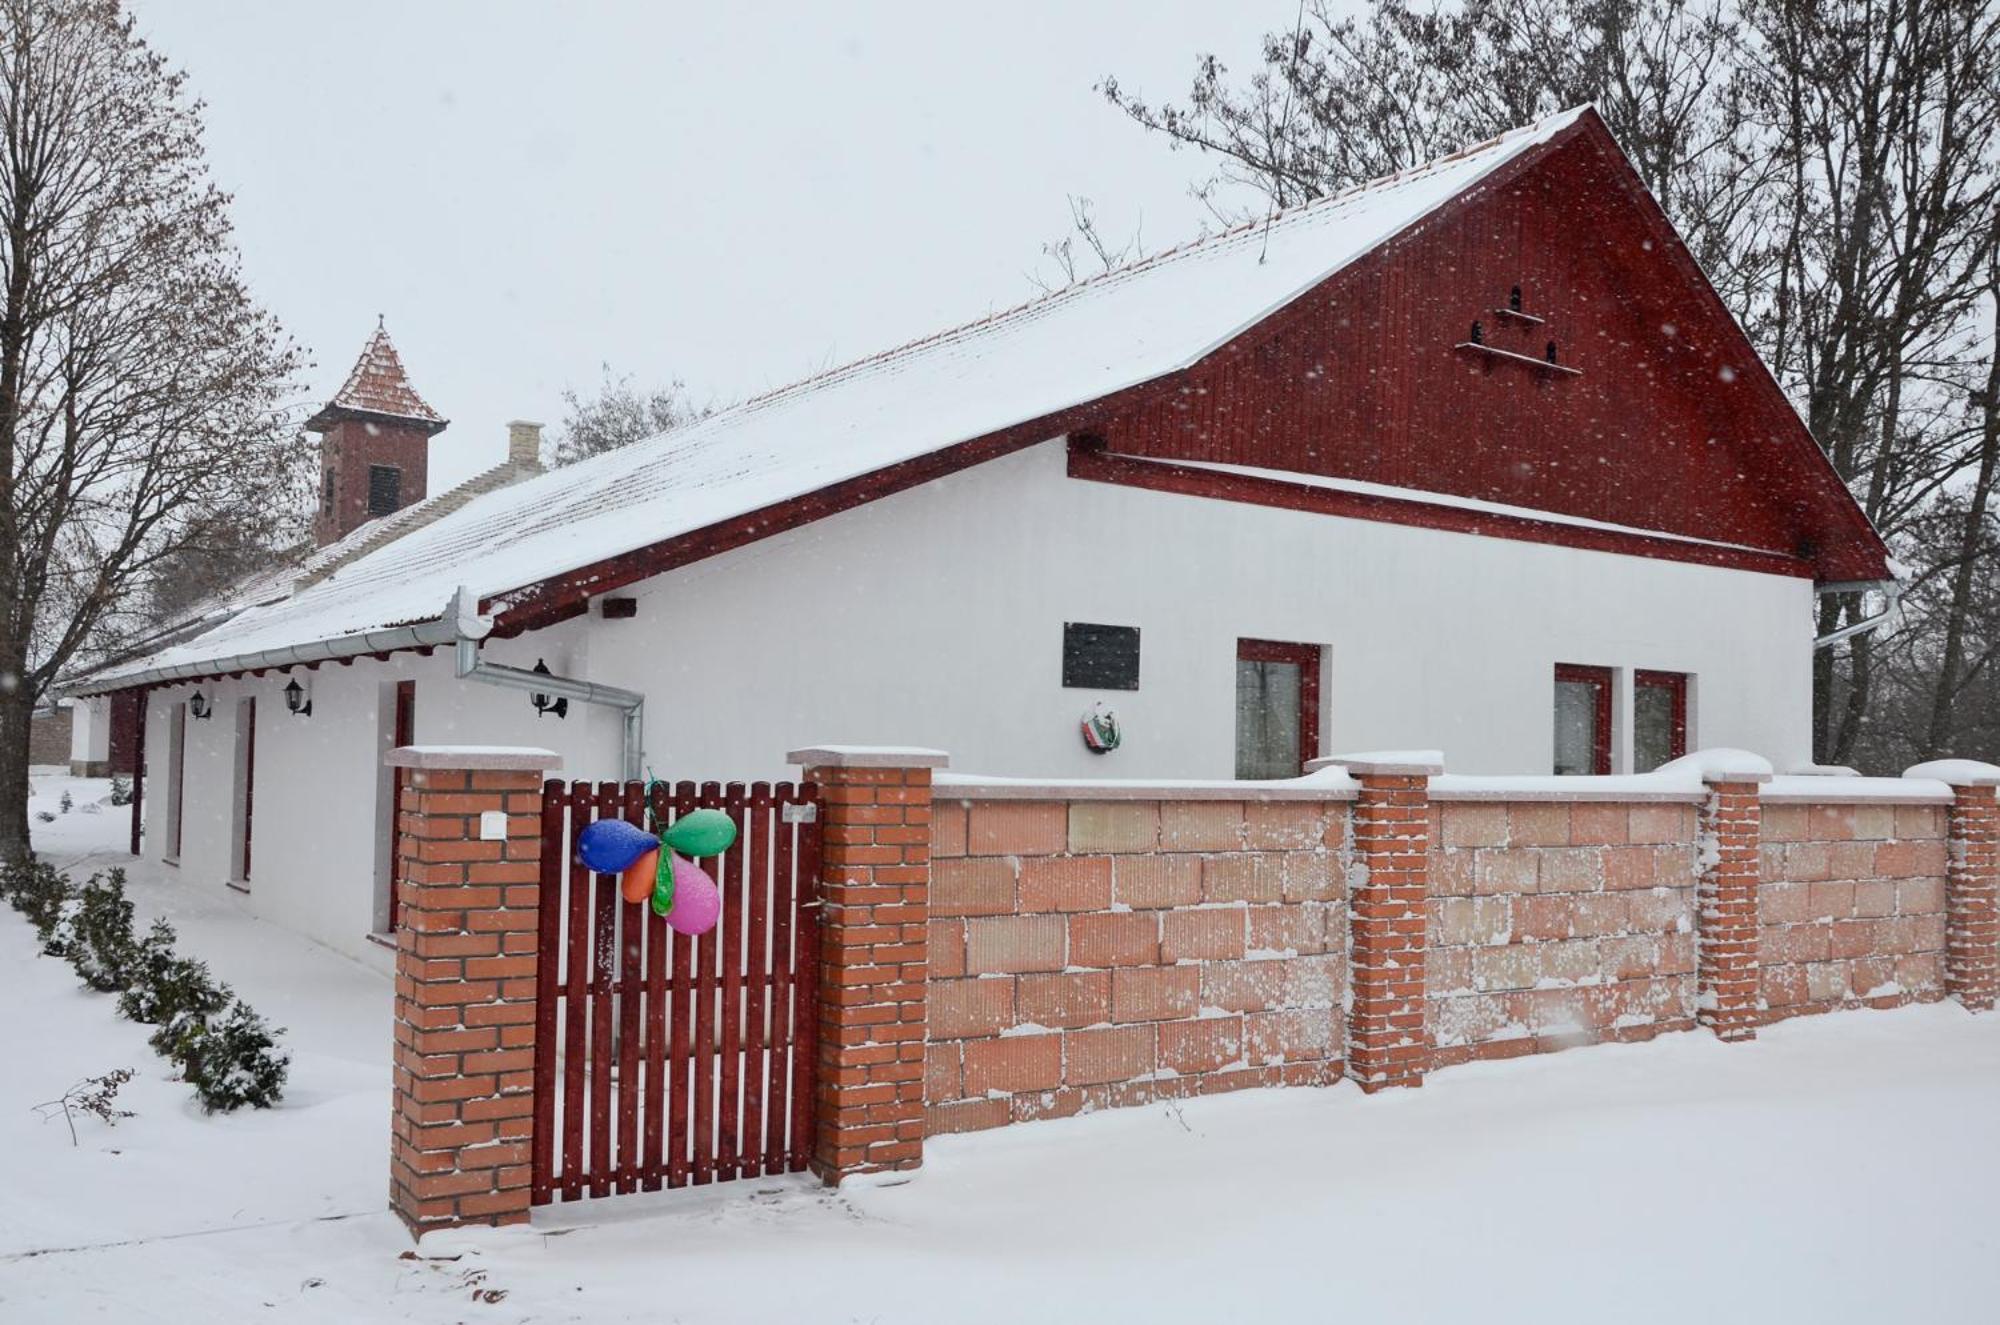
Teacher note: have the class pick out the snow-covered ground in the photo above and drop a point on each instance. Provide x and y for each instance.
(1842, 1168)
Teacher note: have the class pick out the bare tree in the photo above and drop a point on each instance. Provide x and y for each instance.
(1066, 258)
(139, 381)
(618, 415)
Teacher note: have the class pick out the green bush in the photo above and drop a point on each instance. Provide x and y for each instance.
(37, 890)
(164, 983)
(95, 933)
(121, 789)
(231, 1060)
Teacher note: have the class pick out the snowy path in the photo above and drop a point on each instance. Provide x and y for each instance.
(1841, 1169)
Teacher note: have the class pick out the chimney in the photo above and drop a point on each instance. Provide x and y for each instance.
(524, 445)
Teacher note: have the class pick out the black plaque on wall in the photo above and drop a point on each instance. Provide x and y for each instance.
(1100, 657)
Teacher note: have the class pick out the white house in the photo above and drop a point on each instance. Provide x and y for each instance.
(1471, 457)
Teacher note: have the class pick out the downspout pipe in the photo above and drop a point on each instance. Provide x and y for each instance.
(1892, 607)
(470, 629)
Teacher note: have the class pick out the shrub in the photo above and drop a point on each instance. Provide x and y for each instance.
(66, 803)
(121, 790)
(231, 1060)
(162, 983)
(95, 933)
(38, 891)
(45, 816)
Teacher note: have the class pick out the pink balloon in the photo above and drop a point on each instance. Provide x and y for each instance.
(697, 901)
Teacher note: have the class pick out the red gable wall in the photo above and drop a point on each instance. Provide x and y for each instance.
(1672, 426)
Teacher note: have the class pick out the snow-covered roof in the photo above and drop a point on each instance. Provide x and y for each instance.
(1069, 348)
(378, 386)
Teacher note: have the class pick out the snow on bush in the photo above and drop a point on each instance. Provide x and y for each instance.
(165, 983)
(231, 1060)
(95, 933)
(38, 891)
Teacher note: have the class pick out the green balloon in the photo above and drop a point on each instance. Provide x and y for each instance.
(663, 885)
(701, 833)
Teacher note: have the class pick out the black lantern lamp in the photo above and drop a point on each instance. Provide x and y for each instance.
(545, 703)
(296, 699)
(199, 706)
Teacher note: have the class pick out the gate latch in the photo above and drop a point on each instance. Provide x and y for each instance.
(801, 814)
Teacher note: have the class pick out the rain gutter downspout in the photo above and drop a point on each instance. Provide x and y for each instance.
(1892, 590)
(469, 628)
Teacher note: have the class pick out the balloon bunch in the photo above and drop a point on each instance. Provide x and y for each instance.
(661, 866)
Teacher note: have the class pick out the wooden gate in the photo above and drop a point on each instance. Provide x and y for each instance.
(662, 1060)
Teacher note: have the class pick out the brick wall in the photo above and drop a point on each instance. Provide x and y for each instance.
(1091, 953)
(1558, 923)
(1852, 906)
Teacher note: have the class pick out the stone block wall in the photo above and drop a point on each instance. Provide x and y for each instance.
(1087, 953)
(1559, 923)
(1852, 906)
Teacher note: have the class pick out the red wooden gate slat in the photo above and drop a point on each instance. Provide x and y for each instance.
(662, 1060)
(756, 865)
(730, 936)
(547, 977)
(780, 1066)
(631, 926)
(603, 956)
(805, 1002)
(575, 966)
(657, 938)
(680, 1167)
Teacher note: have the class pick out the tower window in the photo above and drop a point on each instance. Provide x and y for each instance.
(326, 493)
(385, 489)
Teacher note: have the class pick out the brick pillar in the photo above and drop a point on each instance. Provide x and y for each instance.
(875, 878)
(1972, 880)
(468, 852)
(1729, 989)
(1388, 1043)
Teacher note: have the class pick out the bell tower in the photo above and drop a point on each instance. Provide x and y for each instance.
(374, 452)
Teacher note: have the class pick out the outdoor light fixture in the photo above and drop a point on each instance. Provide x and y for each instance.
(296, 700)
(546, 703)
(199, 706)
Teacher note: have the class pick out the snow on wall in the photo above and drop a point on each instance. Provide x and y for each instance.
(1554, 924)
(1094, 953)
(1852, 906)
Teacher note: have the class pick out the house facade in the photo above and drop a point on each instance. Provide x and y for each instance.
(1471, 458)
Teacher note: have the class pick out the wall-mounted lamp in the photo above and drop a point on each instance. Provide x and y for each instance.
(200, 707)
(547, 703)
(296, 699)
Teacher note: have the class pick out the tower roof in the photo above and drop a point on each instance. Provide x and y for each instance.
(378, 388)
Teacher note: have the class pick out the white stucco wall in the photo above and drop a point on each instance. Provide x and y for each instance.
(935, 618)
(90, 729)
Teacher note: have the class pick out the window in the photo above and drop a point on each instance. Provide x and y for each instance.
(1583, 719)
(385, 489)
(1277, 708)
(176, 780)
(246, 784)
(400, 711)
(1100, 657)
(326, 492)
(1659, 719)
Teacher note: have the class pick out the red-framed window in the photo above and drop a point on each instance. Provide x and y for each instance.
(403, 733)
(1277, 707)
(1659, 718)
(1583, 719)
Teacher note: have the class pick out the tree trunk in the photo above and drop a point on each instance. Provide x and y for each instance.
(17, 707)
(1972, 537)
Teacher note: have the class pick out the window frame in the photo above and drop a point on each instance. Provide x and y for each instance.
(1676, 684)
(1307, 657)
(1601, 678)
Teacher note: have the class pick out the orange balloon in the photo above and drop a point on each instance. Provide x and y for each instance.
(636, 884)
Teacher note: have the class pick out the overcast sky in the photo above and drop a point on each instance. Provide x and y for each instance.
(735, 195)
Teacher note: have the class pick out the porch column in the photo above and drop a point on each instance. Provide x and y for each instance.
(468, 851)
(875, 873)
(1388, 1041)
(1728, 985)
(1972, 880)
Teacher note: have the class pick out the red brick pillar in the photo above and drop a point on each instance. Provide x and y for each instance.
(1729, 982)
(875, 879)
(1972, 880)
(1388, 1043)
(468, 852)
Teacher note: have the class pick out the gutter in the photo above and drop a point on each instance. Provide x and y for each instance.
(469, 628)
(424, 635)
(1892, 608)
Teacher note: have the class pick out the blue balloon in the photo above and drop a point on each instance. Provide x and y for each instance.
(611, 846)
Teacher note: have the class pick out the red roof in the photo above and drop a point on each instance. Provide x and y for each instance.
(378, 388)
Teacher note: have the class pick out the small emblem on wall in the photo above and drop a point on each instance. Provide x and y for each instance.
(1101, 734)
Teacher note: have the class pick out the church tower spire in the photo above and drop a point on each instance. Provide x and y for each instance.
(374, 442)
